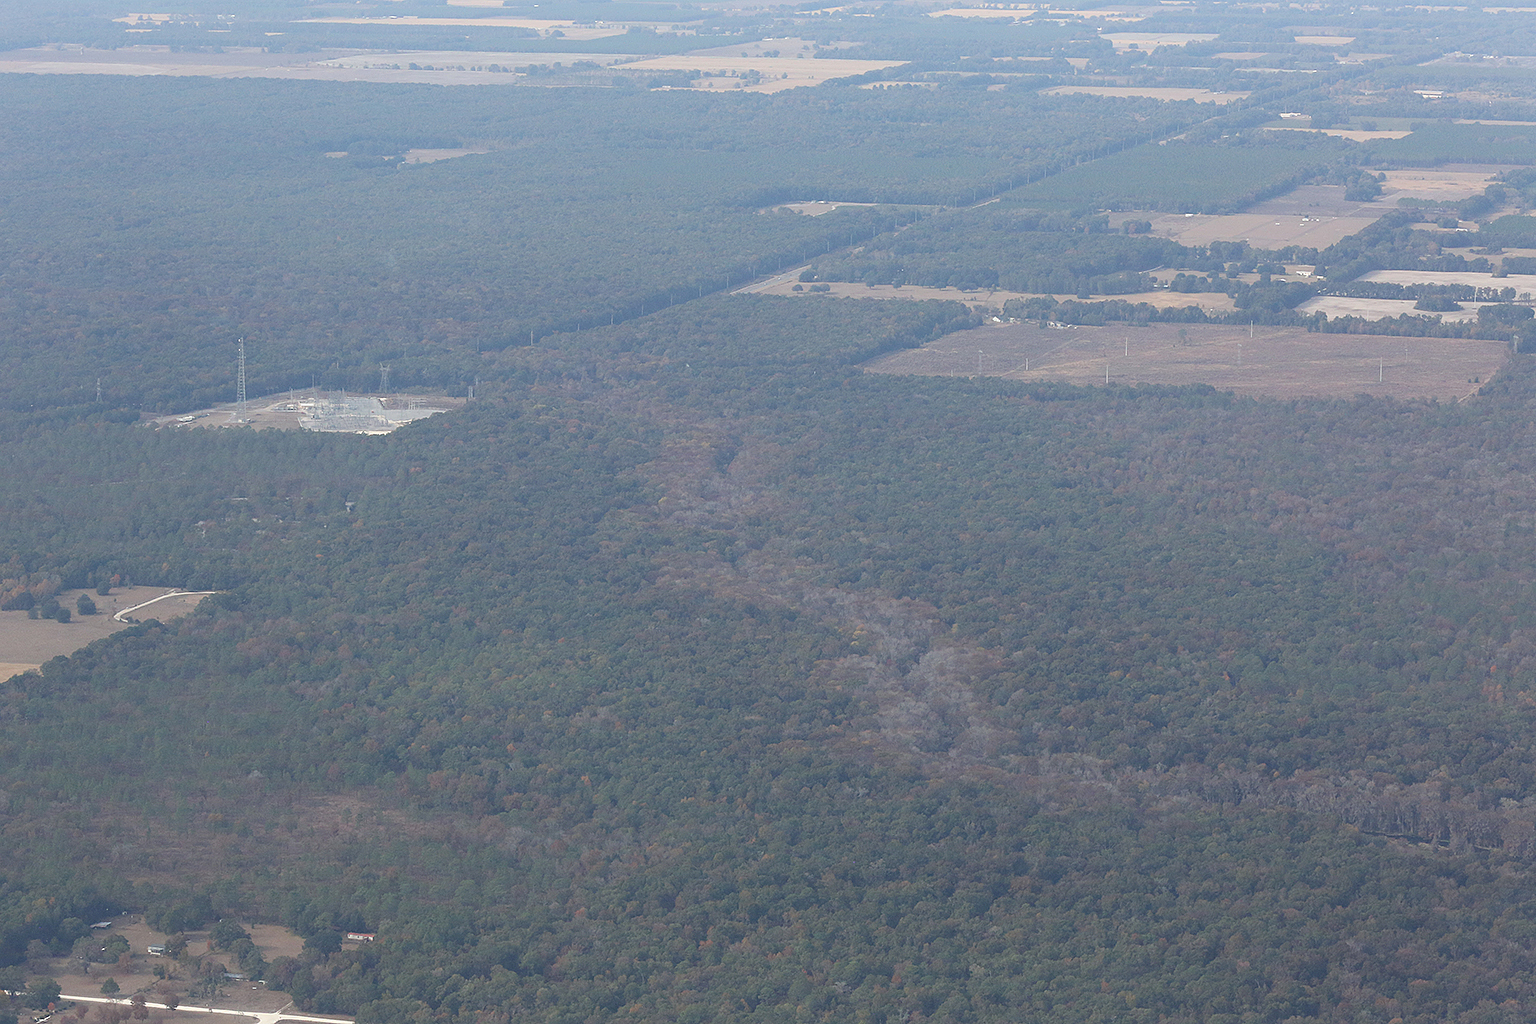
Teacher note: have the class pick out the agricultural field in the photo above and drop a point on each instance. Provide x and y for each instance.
(432, 67)
(1149, 92)
(1523, 284)
(1277, 362)
(1310, 215)
(777, 73)
(785, 284)
(544, 27)
(715, 67)
(1352, 134)
(1260, 230)
(991, 298)
(1448, 184)
(1378, 309)
(999, 13)
(816, 207)
(26, 643)
(1152, 40)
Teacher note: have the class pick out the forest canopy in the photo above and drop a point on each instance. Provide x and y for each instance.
(687, 672)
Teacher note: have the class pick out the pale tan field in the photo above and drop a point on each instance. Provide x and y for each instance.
(1345, 133)
(467, 60)
(780, 46)
(1523, 284)
(983, 12)
(1275, 361)
(1378, 309)
(432, 156)
(1512, 124)
(1164, 299)
(778, 72)
(327, 66)
(785, 283)
(1436, 183)
(1147, 92)
(27, 644)
(1126, 14)
(815, 208)
(1153, 40)
(1354, 135)
(1325, 40)
(1243, 55)
(570, 30)
(1261, 230)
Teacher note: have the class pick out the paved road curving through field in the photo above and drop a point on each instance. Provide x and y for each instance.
(261, 1017)
(174, 593)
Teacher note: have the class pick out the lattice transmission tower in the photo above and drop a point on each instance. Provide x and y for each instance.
(240, 384)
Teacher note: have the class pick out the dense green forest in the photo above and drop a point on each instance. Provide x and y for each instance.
(592, 206)
(688, 673)
(758, 686)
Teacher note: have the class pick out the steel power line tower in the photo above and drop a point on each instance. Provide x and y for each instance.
(240, 384)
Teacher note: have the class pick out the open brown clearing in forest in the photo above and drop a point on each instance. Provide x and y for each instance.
(1280, 362)
(27, 644)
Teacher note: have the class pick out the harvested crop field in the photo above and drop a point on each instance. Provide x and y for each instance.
(27, 644)
(1147, 93)
(568, 29)
(817, 207)
(1312, 215)
(1523, 284)
(1010, 14)
(1437, 184)
(1152, 40)
(717, 69)
(777, 73)
(1260, 230)
(1378, 309)
(784, 284)
(1353, 135)
(1279, 362)
(432, 67)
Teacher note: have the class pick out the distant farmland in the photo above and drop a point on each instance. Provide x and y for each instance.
(1280, 362)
